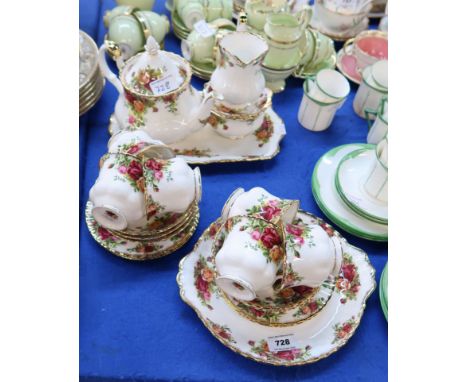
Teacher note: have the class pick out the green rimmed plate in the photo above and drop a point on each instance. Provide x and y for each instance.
(329, 201)
(350, 177)
(383, 291)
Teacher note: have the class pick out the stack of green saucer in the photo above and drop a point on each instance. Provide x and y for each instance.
(180, 30)
(383, 291)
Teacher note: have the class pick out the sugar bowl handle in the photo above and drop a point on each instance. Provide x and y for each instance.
(106, 72)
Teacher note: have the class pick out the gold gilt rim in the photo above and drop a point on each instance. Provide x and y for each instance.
(253, 158)
(181, 225)
(277, 324)
(273, 362)
(303, 75)
(95, 66)
(151, 256)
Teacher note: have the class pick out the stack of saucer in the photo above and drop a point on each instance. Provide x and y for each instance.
(180, 30)
(144, 203)
(349, 184)
(91, 80)
(316, 301)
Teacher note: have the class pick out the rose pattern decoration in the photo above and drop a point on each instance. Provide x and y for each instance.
(141, 80)
(268, 209)
(267, 239)
(265, 131)
(348, 283)
(145, 248)
(222, 331)
(214, 121)
(297, 235)
(343, 331)
(106, 236)
(311, 308)
(204, 276)
(261, 348)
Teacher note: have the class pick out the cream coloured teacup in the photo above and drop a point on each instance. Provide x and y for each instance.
(190, 11)
(379, 128)
(376, 183)
(258, 10)
(336, 21)
(315, 115)
(329, 86)
(370, 94)
(260, 203)
(249, 258)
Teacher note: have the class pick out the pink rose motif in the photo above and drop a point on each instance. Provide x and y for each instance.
(300, 240)
(251, 343)
(294, 230)
(269, 212)
(201, 285)
(131, 120)
(349, 272)
(270, 238)
(135, 171)
(206, 295)
(288, 355)
(347, 327)
(123, 169)
(153, 164)
(258, 313)
(104, 233)
(255, 235)
(133, 149)
(158, 175)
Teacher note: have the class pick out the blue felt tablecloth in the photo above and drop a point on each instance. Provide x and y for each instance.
(133, 324)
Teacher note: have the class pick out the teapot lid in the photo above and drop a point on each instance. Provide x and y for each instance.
(155, 72)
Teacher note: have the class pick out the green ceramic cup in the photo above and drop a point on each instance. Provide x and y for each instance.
(190, 11)
(218, 9)
(258, 10)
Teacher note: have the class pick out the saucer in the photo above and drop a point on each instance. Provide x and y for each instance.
(207, 146)
(308, 70)
(309, 341)
(337, 36)
(383, 292)
(347, 65)
(133, 249)
(351, 174)
(178, 26)
(329, 201)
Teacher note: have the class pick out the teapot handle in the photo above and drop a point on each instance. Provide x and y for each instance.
(106, 72)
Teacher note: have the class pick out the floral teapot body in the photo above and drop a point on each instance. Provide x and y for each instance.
(155, 94)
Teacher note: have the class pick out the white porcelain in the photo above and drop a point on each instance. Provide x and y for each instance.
(315, 115)
(155, 94)
(313, 339)
(369, 94)
(379, 73)
(338, 22)
(330, 202)
(208, 146)
(329, 86)
(352, 174)
(346, 7)
(245, 267)
(378, 130)
(376, 183)
(237, 78)
(311, 256)
(260, 203)
(141, 185)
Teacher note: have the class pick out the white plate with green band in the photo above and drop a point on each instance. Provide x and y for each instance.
(330, 202)
(352, 173)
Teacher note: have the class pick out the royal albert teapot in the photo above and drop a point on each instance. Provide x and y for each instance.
(155, 94)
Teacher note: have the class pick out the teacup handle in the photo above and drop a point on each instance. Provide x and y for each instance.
(369, 112)
(347, 44)
(107, 72)
(304, 16)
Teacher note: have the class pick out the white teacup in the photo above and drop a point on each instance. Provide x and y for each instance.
(329, 86)
(258, 202)
(370, 94)
(312, 256)
(378, 130)
(376, 183)
(249, 259)
(338, 21)
(315, 115)
(139, 142)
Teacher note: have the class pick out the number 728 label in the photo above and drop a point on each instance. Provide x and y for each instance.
(279, 343)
